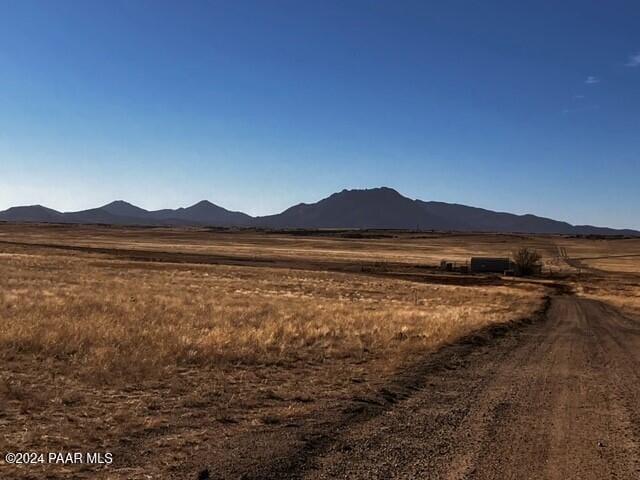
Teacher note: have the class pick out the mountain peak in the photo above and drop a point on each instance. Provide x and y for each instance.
(203, 203)
(373, 190)
(36, 206)
(119, 203)
(124, 209)
(31, 213)
(380, 194)
(208, 213)
(380, 207)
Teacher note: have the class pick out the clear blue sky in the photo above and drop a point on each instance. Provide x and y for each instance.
(259, 105)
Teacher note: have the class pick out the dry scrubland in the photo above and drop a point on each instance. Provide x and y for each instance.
(621, 289)
(174, 365)
(114, 321)
(624, 294)
(610, 270)
(351, 247)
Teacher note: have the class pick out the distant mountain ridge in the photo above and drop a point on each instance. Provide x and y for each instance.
(376, 208)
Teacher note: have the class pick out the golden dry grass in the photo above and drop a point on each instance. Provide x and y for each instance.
(385, 247)
(615, 264)
(611, 270)
(113, 320)
(151, 360)
(622, 291)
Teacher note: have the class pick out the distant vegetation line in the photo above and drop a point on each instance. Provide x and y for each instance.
(376, 208)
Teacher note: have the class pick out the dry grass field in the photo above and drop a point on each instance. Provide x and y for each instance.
(123, 321)
(610, 270)
(320, 248)
(179, 350)
(615, 281)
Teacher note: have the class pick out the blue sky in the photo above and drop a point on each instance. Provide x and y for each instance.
(259, 105)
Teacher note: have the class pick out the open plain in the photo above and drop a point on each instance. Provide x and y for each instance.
(202, 353)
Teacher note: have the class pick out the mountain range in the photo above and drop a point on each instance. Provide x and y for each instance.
(376, 208)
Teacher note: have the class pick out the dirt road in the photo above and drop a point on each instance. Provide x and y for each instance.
(556, 399)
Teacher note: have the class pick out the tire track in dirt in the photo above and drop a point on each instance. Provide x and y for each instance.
(432, 374)
(553, 399)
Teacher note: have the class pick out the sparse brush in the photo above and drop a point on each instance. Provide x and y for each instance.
(111, 322)
(527, 260)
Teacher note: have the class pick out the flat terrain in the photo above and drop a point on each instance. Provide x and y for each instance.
(556, 400)
(191, 352)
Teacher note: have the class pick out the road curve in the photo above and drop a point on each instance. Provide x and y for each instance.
(559, 399)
